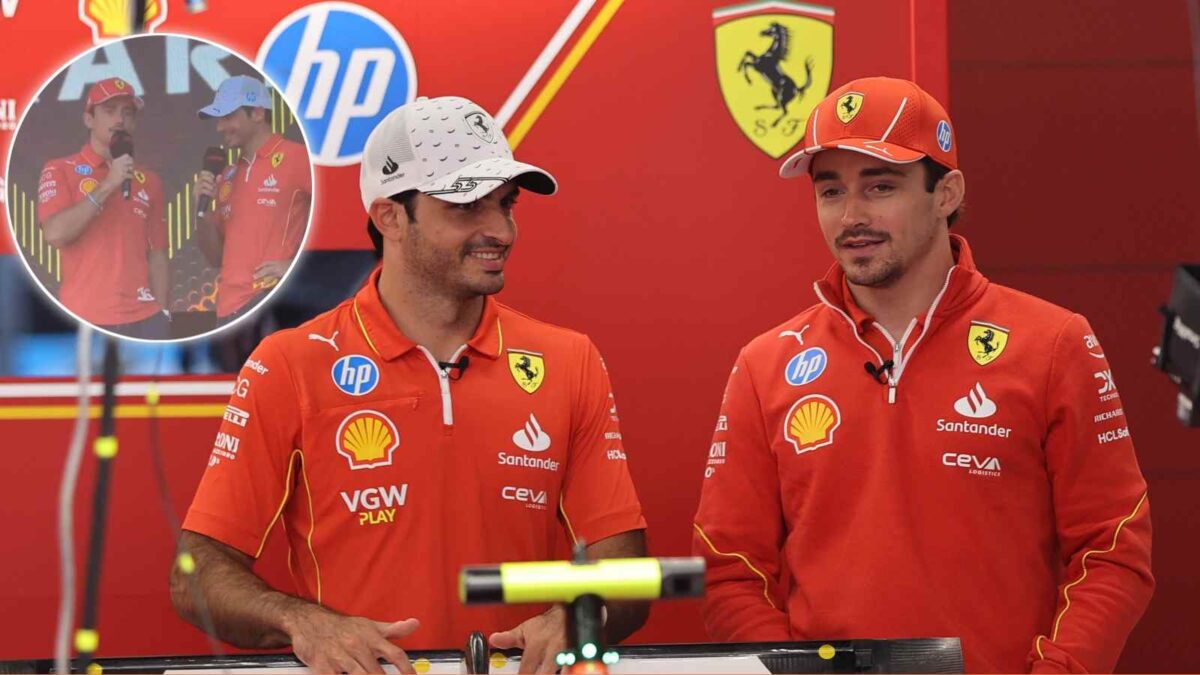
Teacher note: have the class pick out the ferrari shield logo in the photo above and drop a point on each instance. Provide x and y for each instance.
(986, 342)
(276, 160)
(528, 369)
(774, 63)
(848, 106)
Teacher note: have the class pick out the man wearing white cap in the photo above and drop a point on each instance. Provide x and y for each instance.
(262, 201)
(417, 427)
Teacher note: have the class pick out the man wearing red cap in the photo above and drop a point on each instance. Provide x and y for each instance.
(113, 240)
(922, 453)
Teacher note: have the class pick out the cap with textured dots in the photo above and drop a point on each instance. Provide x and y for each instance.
(446, 147)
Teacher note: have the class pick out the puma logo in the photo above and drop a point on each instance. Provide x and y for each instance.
(331, 339)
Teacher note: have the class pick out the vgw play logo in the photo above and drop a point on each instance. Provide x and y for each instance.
(343, 68)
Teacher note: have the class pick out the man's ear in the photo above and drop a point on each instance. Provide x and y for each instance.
(390, 218)
(950, 192)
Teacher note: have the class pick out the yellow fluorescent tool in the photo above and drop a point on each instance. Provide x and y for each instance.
(561, 581)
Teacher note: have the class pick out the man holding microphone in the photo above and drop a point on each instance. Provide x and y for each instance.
(261, 201)
(105, 213)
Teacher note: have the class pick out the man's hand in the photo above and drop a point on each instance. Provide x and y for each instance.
(119, 170)
(205, 186)
(333, 643)
(269, 273)
(541, 638)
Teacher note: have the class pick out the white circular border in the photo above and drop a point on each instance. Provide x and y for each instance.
(312, 204)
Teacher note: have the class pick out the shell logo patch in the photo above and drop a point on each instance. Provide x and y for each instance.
(811, 422)
(367, 439)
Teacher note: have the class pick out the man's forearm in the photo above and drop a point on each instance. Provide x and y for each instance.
(210, 239)
(244, 610)
(69, 224)
(624, 619)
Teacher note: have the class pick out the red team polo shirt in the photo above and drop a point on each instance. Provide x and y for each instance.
(262, 202)
(389, 476)
(105, 274)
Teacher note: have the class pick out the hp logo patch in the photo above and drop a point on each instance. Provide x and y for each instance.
(943, 136)
(806, 366)
(344, 68)
(356, 375)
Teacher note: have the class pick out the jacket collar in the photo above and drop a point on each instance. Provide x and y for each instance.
(386, 340)
(964, 285)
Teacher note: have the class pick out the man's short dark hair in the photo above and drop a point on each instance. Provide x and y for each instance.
(408, 199)
(934, 173)
(249, 110)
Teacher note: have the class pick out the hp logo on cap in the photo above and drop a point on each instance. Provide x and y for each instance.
(343, 68)
(356, 375)
(943, 136)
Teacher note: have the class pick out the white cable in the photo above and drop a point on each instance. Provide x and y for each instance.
(66, 506)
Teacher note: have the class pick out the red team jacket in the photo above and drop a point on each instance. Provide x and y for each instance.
(389, 476)
(986, 487)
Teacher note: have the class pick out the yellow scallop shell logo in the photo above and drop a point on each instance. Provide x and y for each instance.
(811, 422)
(110, 18)
(367, 439)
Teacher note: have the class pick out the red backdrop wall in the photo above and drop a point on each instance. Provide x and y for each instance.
(1078, 132)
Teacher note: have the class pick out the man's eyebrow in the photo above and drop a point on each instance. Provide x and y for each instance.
(886, 170)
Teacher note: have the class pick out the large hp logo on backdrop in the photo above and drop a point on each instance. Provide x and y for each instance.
(343, 68)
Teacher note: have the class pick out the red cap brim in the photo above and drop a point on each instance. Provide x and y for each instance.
(797, 164)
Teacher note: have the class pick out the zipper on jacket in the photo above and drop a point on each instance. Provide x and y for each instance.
(444, 384)
(898, 362)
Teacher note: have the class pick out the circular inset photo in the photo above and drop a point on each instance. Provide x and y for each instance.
(159, 188)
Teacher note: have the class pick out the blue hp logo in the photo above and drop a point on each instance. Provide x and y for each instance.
(355, 374)
(806, 366)
(344, 68)
(943, 136)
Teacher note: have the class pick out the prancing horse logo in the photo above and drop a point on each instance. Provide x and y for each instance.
(528, 369)
(783, 87)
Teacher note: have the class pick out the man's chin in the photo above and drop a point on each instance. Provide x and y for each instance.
(491, 284)
(869, 273)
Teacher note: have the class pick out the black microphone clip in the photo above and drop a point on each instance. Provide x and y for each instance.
(460, 366)
(879, 373)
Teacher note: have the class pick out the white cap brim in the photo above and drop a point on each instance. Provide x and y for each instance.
(475, 181)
